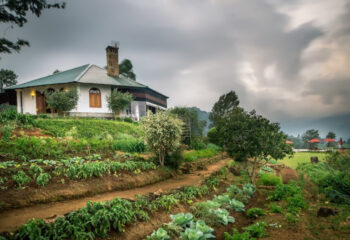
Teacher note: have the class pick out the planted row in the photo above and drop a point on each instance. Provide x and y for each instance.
(212, 212)
(100, 218)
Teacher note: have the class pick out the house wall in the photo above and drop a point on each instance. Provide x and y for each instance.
(29, 102)
(83, 105)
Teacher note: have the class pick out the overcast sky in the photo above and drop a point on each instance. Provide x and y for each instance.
(289, 60)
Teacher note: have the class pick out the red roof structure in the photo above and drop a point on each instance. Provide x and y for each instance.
(329, 140)
(289, 142)
(315, 140)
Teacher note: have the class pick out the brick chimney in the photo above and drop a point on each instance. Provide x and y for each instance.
(113, 60)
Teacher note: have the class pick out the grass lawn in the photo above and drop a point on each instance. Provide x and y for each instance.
(301, 157)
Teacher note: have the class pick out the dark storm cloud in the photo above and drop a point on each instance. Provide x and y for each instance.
(194, 51)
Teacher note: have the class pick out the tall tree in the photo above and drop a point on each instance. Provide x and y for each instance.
(126, 69)
(7, 78)
(190, 116)
(331, 135)
(248, 135)
(222, 108)
(308, 135)
(14, 12)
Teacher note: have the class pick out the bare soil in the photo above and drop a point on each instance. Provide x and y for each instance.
(11, 219)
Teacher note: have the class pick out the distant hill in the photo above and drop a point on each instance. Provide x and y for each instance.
(203, 115)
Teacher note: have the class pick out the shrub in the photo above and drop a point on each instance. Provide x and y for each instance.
(257, 230)
(62, 101)
(127, 119)
(175, 158)
(13, 116)
(282, 191)
(6, 132)
(274, 208)
(269, 179)
(255, 212)
(162, 133)
(204, 153)
(196, 144)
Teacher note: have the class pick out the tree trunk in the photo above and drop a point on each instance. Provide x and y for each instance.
(253, 173)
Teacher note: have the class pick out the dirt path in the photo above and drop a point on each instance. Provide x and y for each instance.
(10, 220)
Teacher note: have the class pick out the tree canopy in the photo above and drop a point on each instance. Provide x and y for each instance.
(62, 101)
(126, 69)
(7, 78)
(190, 116)
(14, 12)
(308, 135)
(223, 107)
(162, 132)
(118, 101)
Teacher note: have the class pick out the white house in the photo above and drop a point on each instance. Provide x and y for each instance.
(93, 84)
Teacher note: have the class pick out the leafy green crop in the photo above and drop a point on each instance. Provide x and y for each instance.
(43, 179)
(222, 215)
(255, 212)
(181, 219)
(21, 178)
(159, 234)
(257, 230)
(238, 236)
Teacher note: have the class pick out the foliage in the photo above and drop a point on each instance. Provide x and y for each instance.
(6, 132)
(159, 234)
(21, 178)
(6, 107)
(223, 107)
(190, 117)
(249, 189)
(204, 153)
(196, 144)
(213, 136)
(43, 179)
(118, 101)
(274, 208)
(174, 158)
(62, 101)
(15, 13)
(331, 135)
(269, 179)
(308, 135)
(88, 128)
(162, 133)
(257, 230)
(248, 135)
(7, 77)
(222, 215)
(236, 205)
(129, 145)
(126, 69)
(238, 236)
(255, 212)
(282, 191)
(12, 115)
(181, 219)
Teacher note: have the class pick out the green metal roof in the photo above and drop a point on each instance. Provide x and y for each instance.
(86, 74)
(57, 78)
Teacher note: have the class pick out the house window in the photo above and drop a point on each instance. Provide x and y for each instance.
(95, 97)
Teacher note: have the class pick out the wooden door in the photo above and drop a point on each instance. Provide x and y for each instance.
(40, 103)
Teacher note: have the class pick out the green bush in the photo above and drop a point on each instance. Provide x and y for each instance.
(257, 230)
(255, 212)
(196, 144)
(274, 208)
(13, 116)
(282, 191)
(269, 179)
(43, 179)
(175, 158)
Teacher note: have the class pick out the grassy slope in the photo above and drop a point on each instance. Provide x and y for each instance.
(87, 128)
(301, 157)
